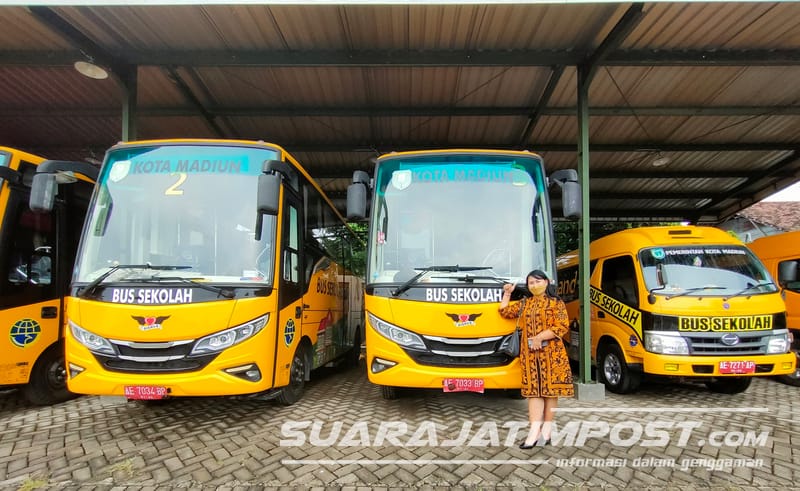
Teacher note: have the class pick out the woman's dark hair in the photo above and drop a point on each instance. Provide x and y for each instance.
(551, 290)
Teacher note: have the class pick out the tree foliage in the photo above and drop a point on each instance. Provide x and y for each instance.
(566, 233)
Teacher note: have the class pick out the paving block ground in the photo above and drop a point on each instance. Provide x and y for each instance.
(343, 435)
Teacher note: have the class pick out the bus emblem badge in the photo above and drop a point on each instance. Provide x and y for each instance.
(401, 179)
(730, 339)
(149, 323)
(288, 332)
(461, 320)
(25, 332)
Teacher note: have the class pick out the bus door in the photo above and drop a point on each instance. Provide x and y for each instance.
(319, 304)
(290, 289)
(619, 315)
(30, 301)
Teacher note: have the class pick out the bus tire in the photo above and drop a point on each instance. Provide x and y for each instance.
(514, 394)
(729, 385)
(48, 381)
(354, 356)
(389, 393)
(613, 372)
(297, 379)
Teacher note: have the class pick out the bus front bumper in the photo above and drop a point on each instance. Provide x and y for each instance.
(719, 366)
(398, 370)
(87, 376)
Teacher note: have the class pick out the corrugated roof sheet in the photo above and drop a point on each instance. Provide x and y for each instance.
(740, 117)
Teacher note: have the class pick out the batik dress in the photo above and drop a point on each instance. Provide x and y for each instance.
(545, 372)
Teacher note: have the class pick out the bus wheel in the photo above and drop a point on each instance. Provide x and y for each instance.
(48, 382)
(354, 356)
(729, 385)
(513, 393)
(389, 393)
(614, 372)
(297, 379)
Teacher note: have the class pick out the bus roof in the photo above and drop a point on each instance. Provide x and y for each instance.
(778, 245)
(459, 151)
(34, 159)
(199, 141)
(634, 239)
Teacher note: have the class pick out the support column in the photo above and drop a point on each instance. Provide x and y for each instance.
(585, 389)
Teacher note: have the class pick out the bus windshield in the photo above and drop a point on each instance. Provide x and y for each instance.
(189, 211)
(704, 271)
(484, 213)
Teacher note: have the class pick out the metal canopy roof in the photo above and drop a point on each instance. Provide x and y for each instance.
(711, 86)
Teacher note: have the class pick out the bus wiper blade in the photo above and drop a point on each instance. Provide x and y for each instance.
(471, 278)
(442, 269)
(225, 292)
(91, 286)
(696, 289)
(747, 289)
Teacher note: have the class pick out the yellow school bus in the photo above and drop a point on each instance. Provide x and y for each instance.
(682, 301)
(209, 268)
(447, 228)
(37, 253)
(781, 255)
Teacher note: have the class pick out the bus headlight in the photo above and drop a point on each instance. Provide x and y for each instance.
(91, 340)
(229, 337)
(404, 338)
(665, 343)
(778, 343)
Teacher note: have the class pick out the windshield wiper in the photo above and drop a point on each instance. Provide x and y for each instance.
(467, 278)
(443, 269)
(696, 289)
(225, 292)
(748, 288)
(91, 286)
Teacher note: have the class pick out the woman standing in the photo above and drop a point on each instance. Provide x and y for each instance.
(546, 373)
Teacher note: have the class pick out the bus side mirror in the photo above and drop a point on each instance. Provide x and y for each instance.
(269, 191)
(43, 193)
(357, 196)
(567, 180)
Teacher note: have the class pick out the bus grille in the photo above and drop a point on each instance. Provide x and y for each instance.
(461, 352)
(711, 344)
(153, 358)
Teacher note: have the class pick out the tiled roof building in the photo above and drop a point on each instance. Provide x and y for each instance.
(765, 218)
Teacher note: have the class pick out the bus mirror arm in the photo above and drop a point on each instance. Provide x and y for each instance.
(257, 229)
(60, 166)
(651, 298)
(10, 175)
(361, 177)
(660, 280)
(49, 174)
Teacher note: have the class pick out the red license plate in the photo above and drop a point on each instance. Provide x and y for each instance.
(463, 385)
(737, 367)
(146, 392)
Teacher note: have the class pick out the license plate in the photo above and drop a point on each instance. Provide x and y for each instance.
(737, 367)
(463, 385)
(146, 392)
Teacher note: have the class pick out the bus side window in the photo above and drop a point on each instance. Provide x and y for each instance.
(291, 253)
(28, 251)
(619, 280)
(789, 275)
